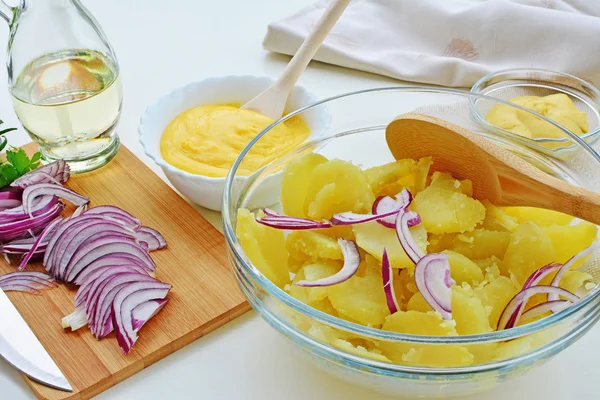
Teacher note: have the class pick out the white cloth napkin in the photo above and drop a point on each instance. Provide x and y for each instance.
(452, 42)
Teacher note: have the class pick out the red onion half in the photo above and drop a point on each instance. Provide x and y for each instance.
(432, 276)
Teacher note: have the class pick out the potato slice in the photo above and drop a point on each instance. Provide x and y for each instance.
(446, 211)
(374, 237)
(337, 186)
(312, 246)
(296, 179)
(481, 243)
(539, 216)
(529, 249)
(360, 299)
(571, 239)
(464, 270)
(391, 177)
(264, 246)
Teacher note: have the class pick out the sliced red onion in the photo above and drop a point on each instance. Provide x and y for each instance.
(76, 320)
(152, 237)
(279, 221)
(99, 307)
(40, 206)
(9, 200)
(31, 282)
(41, 239)
(404, 220)
(57, 172)
(95, 279)
(50, 189)
(388, 283)
(116, 214)
(19, 229)
(60, 230)
(512, 312)
(351, 263)
(88, 230)
(384, 204)
(114, 260)
(145, 311)
(126, 300)
(567, 266)
(109, 244)
(432, 276)
(540, 309)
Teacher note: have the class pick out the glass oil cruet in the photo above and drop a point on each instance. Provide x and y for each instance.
(64, 82)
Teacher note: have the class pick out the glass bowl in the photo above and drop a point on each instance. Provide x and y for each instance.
(357, 134)
(511, 83)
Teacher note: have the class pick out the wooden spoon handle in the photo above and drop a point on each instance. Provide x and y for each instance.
(311, 44)
(537, 189)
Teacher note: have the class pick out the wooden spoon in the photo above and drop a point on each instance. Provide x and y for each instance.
(272, 101)
(497, 174)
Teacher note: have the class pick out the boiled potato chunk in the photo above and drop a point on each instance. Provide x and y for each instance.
(446, 211)
(312, 245)
(361, 351)
(418, 303)
(539, 216)
(529, 249)
(495, 296)
(313, 272)
(374, 237)
(491, 267)
(570, 240)
(360, 299)
(496, 219)
(469, 312)
(337, 186)
(439, 243)
(574, 281)
(420, 323)
(264, 246)
(481, 243)
(389, 179)
(463, 270)
(296, 179)
(423, 166)
(443, 180)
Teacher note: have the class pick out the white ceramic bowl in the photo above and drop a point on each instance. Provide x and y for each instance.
(208, 191)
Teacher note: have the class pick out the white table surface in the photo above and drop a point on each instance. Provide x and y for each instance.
(164, 44)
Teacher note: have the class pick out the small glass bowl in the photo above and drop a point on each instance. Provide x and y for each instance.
(357, 134)
(511, 83)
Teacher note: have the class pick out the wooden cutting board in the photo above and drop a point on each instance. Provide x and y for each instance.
(204, 295)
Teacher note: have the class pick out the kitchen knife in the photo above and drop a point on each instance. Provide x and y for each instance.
(20, 347)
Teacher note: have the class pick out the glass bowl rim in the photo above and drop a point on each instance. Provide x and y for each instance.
(378, 334)
(477, 89)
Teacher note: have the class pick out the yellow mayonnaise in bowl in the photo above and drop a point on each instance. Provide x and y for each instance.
(195, 133)
(565, 99)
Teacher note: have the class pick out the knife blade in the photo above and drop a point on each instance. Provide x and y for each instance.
(20, 348)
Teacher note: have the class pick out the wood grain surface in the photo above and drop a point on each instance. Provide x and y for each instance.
(204, 295)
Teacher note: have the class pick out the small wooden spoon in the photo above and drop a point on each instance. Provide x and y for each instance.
(272, 101)
(497, 174)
